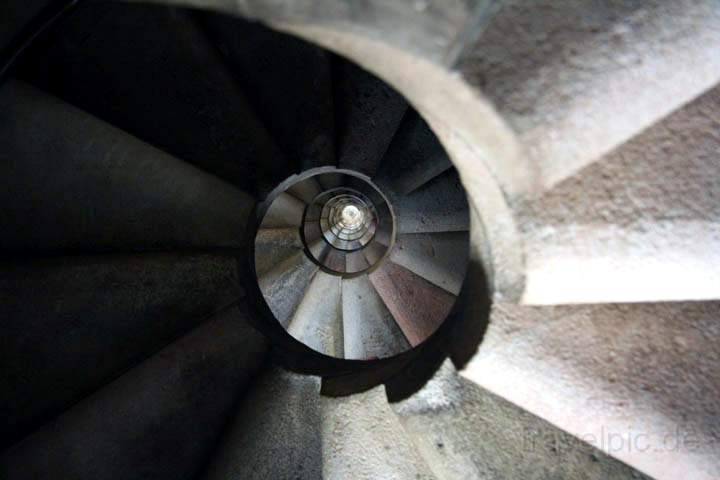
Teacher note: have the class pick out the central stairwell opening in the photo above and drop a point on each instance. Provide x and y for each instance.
(223, 190)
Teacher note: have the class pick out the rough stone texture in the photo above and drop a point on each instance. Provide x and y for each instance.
(284, 286)
(74, 182)
(329, 256)
(362, 439)
(306, 190)
(478, 141)
(642, 224)
(318, 247)
(356, 261)
(438, 206)
(274, 245)
(368, 112)
(415, 155)
(334, 259)
(434, 29)
(308, 438)
(276, 432)
(419, 307)
(374, 252)
(151, 71)
(585, 91)
(440, 258)
(160, 420)
(370, 330)
(318, 320)
(576, 79)
(475, 303)
(285, 211)
(286, 80)
(465, 432)
(645, 374)
(72, 324)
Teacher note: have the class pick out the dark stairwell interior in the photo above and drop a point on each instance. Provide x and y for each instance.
(227, 253)
(162, 166)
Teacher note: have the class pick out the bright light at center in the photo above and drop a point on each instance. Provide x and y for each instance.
(351, 216)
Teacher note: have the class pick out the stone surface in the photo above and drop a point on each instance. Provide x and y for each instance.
(306, 190)
(576, 79)
(308, 437)
(438, 206)
(75, 182)
(433, 29)
(642, 224)
(414, 157)
(374, 252)
(72, 324)
(440, 258)
(356, 261)
(285, 211)
(274, 245)
(465, 432)
(334, 259)
(276, 432)
(362, 439)
(173, 90)
(159, 420)
(318, 320)
(639, 381)
(368, 112)
(419, 307)
(287, 81)
(369, 328)
(284, 286)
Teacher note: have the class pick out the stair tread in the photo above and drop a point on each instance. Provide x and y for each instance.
(306, 190)
(414, 157)
(438, 206)
(318, 321)
(369, 328)
(285, 285)
(356, 261)
(102, 52)
(334, 259)
(364, 440)
(313, 437)
(374, 251)
(287, 81)
(273, 246)
(284, 211)
(84, 185)
(440, 258)
(464, 431)
(72, 324)
(259, 446)
(590, 368)
(419, 307)
(368, 112)
(138, 426)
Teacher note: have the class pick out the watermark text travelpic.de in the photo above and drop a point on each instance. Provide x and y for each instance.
(614, 440)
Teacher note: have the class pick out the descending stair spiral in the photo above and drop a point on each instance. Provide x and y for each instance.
(141, 146)
(229, 253)
(338, 276)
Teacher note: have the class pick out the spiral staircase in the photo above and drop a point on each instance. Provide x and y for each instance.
(337, 276)
(232, 253)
